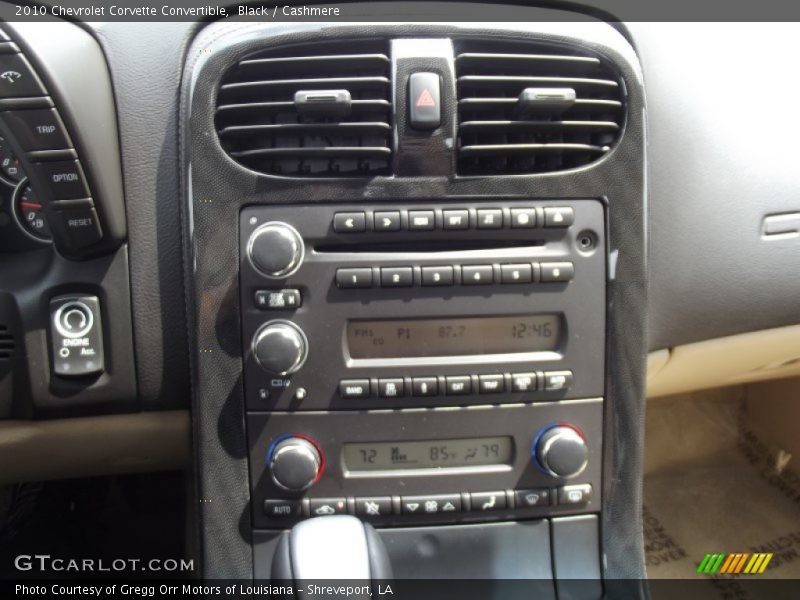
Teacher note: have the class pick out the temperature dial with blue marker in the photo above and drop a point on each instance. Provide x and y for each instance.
(295, 463)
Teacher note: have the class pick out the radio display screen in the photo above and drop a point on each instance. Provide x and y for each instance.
(430, 454)
(411, 338)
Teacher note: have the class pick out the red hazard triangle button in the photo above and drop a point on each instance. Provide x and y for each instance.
(425, 99)
(424, 95)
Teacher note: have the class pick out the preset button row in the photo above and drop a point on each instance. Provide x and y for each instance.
(449, 275)
(455, 385)
(429, 219)
(372, 507)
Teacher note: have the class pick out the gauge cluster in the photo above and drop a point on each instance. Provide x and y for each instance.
(23, 223)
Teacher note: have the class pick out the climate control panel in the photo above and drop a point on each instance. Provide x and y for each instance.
(427, 466)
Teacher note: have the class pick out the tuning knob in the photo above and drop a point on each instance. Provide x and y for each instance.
(561, 450)
(295, 463)
(275, 249)
(280, 347)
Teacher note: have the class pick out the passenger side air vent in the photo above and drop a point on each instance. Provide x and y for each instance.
(310, 111)
(6, 343)
(534, 108)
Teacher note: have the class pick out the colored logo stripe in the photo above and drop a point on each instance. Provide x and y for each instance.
(735, 563)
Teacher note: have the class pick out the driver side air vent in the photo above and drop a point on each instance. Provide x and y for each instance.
(310, 111)
(534, 108)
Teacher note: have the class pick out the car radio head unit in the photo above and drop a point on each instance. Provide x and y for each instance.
(431, 361)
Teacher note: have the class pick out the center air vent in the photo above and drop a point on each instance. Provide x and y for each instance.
(310, 111)
(534, 108)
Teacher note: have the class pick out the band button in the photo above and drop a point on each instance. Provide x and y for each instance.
(354, 388)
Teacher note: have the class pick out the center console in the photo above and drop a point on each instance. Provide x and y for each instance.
(418, 295)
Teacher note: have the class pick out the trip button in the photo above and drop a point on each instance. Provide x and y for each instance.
(420, 220)
(531, 498)
(380, 506)
(40, 129)
(487, 501)
(458, 385)
(282, 509)
(557, 271)
(79, 226)
(17, 78)
(490, 384)
(477, 275)
(354, 388)
(431, 505)
(397, 277)
(574, 494)
(354, 278)
(322, 507)
(558, 216)
(516, 273)
(352, 222)
(433, 276)
(387, 221)
(64, 178)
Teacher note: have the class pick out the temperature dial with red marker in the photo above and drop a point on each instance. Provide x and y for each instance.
(30, 213)
(560, 450)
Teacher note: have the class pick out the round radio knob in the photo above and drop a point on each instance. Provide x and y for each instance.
(276, 249)
(561, 451)
(295, 464)
(280, 347)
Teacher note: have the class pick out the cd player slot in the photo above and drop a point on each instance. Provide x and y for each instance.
(428, 246)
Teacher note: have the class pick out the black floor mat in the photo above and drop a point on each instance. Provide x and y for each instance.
(132, 516)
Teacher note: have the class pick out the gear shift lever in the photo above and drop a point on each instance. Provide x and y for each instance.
(334, 547)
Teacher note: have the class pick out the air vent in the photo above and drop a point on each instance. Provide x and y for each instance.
(310, 111)
(534, 108)
(6, 343)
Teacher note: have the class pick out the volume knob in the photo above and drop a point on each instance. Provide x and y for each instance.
(295, 464)
(275, 249)
(280, 347)
(561, 451)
